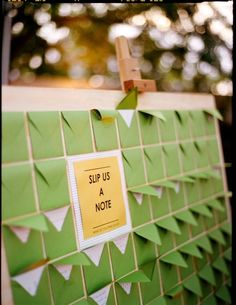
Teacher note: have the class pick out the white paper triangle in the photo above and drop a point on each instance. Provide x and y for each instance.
(94, 253)
(101, 296)
(21, 233)
(30, 280)
(159, 190)
(126, 287)
(138, 197)
(127, 116)
(64, 270)
(57, 217)
(177, 187)
(121, 242)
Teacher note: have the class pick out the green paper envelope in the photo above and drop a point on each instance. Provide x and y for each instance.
(196, 230)
(193, 284)
(60, 243)
(171, 159)
(177, 199)
(149, 232)
(204, 243)
(169, 275)
(198, 123)
(191, 249)
(66, 291)
(185, 235)
(226, 228)
(35, 222)
(52, 184)
(140, 213)
(97, 277)
(201, 153)
(207, 274)
(146, 190)
(133, 166)
(210, 301)
(148, 126)
(220, 265)
(130, 100)
(217, 236)
(228, 254)
(223, 294)
(187, 272)
(151, 290)
(159, 301)
(124, 298)
(182, 124)
(189, 297)
(145, 250)
(126, 261)
(170, 224)
(45, 134)
(27, 253)
(14, 144)
(104, 130)
(167, 183)
(77, 259)
(77, 132)
(167, 128)
(135, 277)
(186, 216)
(174, 258)
(201, 209)
(167, 239)
(129, 136)
(210, 124)
(153, 156)
(213, 148)
(21, 296)
(160, 206)
(110, 299)
(216, 204)
(17, 191)
(174, 292)
(187, 153)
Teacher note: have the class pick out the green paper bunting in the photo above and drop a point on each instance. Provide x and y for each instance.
(191, 249)
(223, 294)
(204, 243)
(35, 222)
(193, 284)
(220, 265)
(174, 258)
(202, 209)
(169, 224)
(77, 259)
(217, 236)
(187, 217)
(149, 232)
(207, 274)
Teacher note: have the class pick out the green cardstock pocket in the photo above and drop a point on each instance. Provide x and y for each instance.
(145, 250)
(77, 132)
(153, 157)
(129, 136)
(132, 298)
(139, 212)
(167, 128)
(160, 206)
(14, 143)
(171, 159)
(52, 184)
(45, 134)
(17, 191)
(187, 153)
(198, 123)
(182, 124)
(148, 126)
(213, 151)
(169, 275)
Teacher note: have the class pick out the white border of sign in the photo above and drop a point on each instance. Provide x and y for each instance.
(86, 243)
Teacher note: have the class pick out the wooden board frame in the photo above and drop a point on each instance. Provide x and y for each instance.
(48, 99)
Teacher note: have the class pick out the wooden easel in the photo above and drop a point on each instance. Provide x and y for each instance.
(130, 75)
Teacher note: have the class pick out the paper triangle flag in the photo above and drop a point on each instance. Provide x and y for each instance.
(154, 113)
(126, 287)
(30, 280)
(57, 217)
(127, 116)
(193, 284)
(148, 269)
(135, 277)
(138, 197)
(228, 254)
(130, 100)
(215, 113)
(204, 243)
(216, 204)
(169, 223)
(226, 228)
(167, 183)
(21, 233)
(217, 236)
(191, 249)
(35, 222)
(95, 253)
(207, 274)
(177, 187)
(187, 217)
(121, 242)
(220, 265)
(199, 175)
(159, 191)
(146, 190)
(77, 259)
(202, 209)
(149, 232)
(174, 258)
(185, 179)
(101, 296)
(174, 292)
(64, 270)
(223, 294)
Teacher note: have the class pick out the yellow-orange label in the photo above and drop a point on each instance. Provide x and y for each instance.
(100, 195)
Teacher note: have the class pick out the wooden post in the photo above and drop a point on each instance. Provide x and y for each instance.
(130, 75)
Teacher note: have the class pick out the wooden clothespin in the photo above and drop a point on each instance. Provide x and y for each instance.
(130, 75)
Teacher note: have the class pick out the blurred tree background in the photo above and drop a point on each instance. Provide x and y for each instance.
(184, 46)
